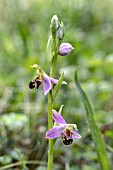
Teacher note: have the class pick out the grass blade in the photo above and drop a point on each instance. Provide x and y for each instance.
(95, 131)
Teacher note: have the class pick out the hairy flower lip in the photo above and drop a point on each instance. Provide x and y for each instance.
(32, 84)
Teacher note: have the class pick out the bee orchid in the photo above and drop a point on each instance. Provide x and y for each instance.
(67, 131)
(43, 79)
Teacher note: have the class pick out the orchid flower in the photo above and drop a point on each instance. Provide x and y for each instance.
(67, 131)
(43, 79)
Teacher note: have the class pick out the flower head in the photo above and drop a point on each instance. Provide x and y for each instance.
(65, 49)
(43, 79)
(67, 131)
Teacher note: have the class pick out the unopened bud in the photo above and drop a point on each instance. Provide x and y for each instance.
(60, 32)
(54, 23)
(65, 49)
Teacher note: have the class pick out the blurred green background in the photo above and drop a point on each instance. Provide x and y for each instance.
(24, 31)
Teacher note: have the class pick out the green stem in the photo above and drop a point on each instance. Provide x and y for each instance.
(50, 155)
(50, 125)
(50, 107)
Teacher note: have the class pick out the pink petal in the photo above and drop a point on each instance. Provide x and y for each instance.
(54, 132)
(46, 83)
(55, 81)
(75, 135)
(58, 118)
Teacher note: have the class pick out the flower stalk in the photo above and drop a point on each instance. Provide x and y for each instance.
(55, 47)
(57, 34)
(50, 97)
(50, 124)
(53, 27)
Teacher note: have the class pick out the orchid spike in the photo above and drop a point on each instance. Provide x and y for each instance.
(67, 131)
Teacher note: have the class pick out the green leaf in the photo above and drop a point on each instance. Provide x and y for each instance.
(95, 131)
(58, 86)
(49, 49)
(61, 108)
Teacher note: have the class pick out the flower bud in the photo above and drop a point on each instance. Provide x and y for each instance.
(54, 23)
(65, 49)
(60, 32)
